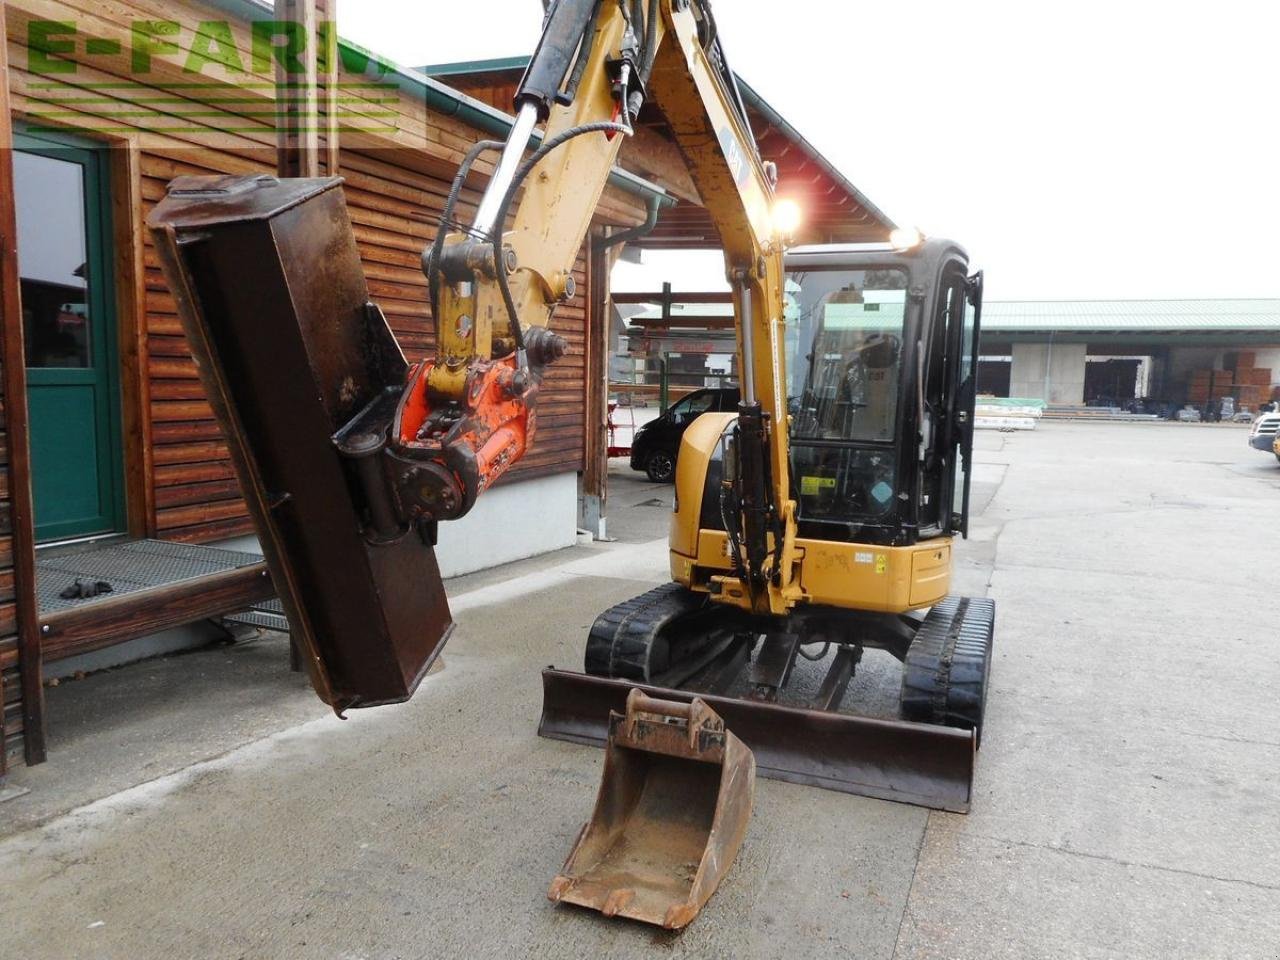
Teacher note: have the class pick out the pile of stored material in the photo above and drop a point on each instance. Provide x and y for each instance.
(1007, 413)
(1066, 412)
(1239, 378)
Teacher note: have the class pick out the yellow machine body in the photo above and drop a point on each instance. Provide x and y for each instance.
(850, 576)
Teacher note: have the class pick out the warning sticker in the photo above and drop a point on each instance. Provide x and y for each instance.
(882, 563)
(811, 486)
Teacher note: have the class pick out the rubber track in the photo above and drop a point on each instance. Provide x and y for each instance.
(622, 640)
(944, 678)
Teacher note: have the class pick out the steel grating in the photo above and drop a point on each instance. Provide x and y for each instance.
(129, 567)
(269, 615)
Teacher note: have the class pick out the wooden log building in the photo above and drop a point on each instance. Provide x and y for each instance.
(105, 432)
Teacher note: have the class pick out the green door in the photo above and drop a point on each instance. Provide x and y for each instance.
(69, 326)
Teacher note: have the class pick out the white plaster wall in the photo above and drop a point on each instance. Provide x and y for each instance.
(1050, 372)
(511, 522)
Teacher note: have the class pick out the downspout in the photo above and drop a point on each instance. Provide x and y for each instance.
(593, 507)
(656, 203)
(1048, 367)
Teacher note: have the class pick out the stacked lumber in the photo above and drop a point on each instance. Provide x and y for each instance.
(1253, 384)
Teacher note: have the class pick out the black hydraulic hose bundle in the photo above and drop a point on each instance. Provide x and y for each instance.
(730, 505)
(431, 257)
(584, 55)
(649, 52)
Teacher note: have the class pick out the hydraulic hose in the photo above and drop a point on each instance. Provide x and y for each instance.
(601, 126)
(431, 256)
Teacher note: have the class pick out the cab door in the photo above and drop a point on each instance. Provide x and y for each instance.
(965, 398)
(949, 377)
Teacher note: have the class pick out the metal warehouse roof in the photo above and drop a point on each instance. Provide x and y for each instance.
(1071, 316)
(1131, 315)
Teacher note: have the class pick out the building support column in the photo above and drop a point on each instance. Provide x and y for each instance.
(306, 102)
(595, 472)
(1053, 372)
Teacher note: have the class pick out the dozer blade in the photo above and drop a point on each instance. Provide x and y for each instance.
(272, 296)
(918, 763)
(672, 811)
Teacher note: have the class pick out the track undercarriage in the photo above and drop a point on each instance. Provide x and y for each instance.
(674, 637)
(675, 643)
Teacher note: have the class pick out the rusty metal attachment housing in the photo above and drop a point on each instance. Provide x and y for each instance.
(305, 376)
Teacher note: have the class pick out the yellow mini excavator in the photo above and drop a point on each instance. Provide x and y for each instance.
(815, 522)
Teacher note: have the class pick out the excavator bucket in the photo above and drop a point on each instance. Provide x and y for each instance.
(303, 374)
(671, 813)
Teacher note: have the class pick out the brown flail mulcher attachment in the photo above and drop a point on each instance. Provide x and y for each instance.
(671, 813)
(919, 763)
(303, 374)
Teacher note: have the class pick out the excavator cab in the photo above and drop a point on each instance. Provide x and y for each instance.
(882, 391)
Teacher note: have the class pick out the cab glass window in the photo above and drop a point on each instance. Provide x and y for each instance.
(845, 381)
(843, 391)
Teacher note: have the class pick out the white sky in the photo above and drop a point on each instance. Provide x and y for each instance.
(1126, 148)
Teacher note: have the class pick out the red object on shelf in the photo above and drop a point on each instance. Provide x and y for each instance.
(615, 448)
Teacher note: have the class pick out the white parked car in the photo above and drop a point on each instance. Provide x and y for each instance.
(1262, 435)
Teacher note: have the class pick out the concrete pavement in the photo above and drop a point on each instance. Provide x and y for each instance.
(1127, 801)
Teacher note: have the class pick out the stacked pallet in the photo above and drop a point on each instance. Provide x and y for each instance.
(1239, 378)
(1210, 384)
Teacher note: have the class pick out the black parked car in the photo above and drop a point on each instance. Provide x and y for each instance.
(657, 443)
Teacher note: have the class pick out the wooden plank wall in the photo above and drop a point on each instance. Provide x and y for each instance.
(394, 211)
(11, 725)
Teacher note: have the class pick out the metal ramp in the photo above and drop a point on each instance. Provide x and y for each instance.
(128, 567)
(93, 595)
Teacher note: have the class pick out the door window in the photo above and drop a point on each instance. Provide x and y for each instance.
(966, 398)
(53, 261)
(844, 391)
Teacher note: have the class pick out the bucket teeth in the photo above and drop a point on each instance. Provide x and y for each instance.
(616, 900)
